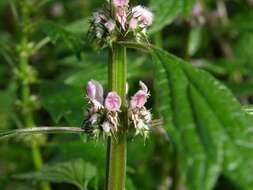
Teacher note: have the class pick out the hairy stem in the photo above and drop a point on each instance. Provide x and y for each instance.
(27, 111)
(117, 148)
(28, 117)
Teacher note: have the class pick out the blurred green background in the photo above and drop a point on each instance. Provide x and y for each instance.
(214, 35)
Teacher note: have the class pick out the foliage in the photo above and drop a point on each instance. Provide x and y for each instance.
(204, 104)
(75, 172)
(207, 130)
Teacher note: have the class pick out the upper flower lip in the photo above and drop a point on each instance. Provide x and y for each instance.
(95, 91)
(120, 3)
(140, 97)
(113, 102)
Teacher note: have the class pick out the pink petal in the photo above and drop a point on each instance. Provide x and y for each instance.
(143, 86)
(139, 99)
(143, 15)
(120, 3)
(122, 17)
(113, 102)
(91, 90)
(133, 23)
(95, 90)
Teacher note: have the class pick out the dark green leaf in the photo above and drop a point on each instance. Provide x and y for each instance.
(205, 121)
(76, 172)
(62, 100)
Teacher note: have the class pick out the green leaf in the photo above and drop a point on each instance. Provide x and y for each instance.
(167, 10)
(63, 101)
(57, 33)
(76, 172)
(187, 6)
(79, 27)
(205, 121)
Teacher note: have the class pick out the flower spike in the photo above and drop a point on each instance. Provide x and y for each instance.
(118, 21)
(103, 114)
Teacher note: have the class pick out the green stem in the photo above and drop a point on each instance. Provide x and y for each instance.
(28, 112)
(117, 149)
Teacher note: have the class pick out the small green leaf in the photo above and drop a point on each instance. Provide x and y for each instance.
(76, 172)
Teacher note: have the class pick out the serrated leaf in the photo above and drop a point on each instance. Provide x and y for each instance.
(63, 101)
(205, 121)
(76, 172)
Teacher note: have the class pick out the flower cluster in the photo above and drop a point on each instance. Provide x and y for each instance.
(139, 116)
(117, 21)
(102, 119)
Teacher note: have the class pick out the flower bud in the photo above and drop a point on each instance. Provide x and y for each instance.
(91, 90)
(106, 126)
(110, 25)
(143, 15)
(93, 119)
(113, 102)
(133, 24)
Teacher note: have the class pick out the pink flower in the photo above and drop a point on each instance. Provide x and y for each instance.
(140, 98)
(113, 102)
(120, 3)
(91, 90)
(133, 24)
(121, 16)
(110, 25)
(95, 91)
(143, 15)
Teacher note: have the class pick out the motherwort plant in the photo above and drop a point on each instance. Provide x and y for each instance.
(112, 117)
